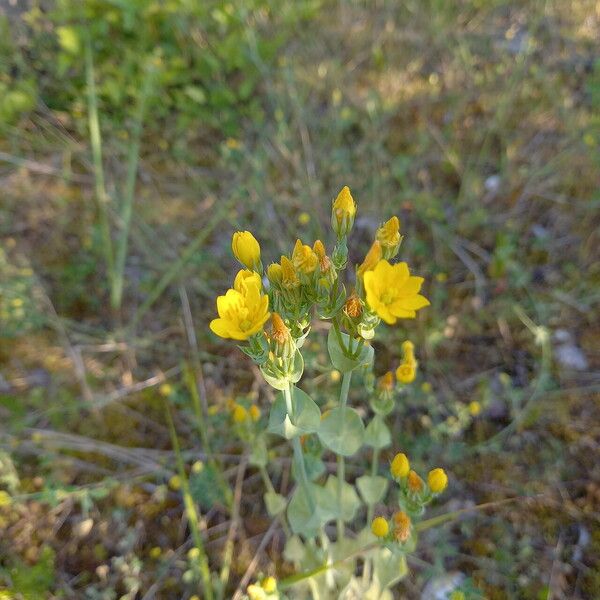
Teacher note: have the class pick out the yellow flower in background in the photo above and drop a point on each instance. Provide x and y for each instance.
(386, 382)
(437, 480)
(371, 259)
(303, 258)
(246, 249)
(474, 408)
(406, 372)
(240, 414)
(254, 413)
(388, 235)
(400, 466)
(380, 527)
(408, 351)
(256, 592)
(343, 212)
(269, 584)
(244, 277)
(242, 313)
(289, 278)
(392, 292)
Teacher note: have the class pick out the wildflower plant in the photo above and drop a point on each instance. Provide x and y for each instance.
(306, 284)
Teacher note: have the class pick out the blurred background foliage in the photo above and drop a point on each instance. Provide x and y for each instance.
(476, 122)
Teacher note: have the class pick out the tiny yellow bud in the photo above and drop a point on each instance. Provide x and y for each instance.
(155, 552)
(269, 584)
(303, 218)
(380, 527)
(5, 499)
(335, 376)
(279, 331)
(303, 258)
(246, 249)
(415, 483)
(400, 466)
(240, 414)
(343, 212)
(437, 480)
(406, 372)
(426, 387)
(165, 390)
(198, 467)
(408, 351)
(371, 259)
(175, 482)
(193, 554)
(254, 413)
(324, 260)
(388, 235)
(275, 273)
(474, 408)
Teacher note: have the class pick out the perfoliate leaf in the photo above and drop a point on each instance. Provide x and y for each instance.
(305, 417)
(342, 430)
(377, 434)
(339, 358)
(372, 488)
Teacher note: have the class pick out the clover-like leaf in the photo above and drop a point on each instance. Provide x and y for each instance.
(372, 488)
(345, 507)
(377, 434)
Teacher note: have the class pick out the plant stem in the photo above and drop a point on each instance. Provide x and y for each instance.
(129, 193)
(96, 143)
(341, 466)
(298, 457)
(190, 510)
(370, 507)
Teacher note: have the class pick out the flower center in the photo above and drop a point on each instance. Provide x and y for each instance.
(387, 297)
(245, 324)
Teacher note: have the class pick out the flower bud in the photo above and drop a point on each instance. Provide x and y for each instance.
(283, 343)
(402, 526)
(437, 480)
(289, 278)
(245, 277)
(247, 250)
(254, 413)
(408, 351)
(275, 273)
(415, 483)
(353, 306)
(388, 235)
(304, 259)
(343, 212)
(269, 584)
(371, 259)
(400, 466)
(324, 260)
(386, 382)
(380, 527)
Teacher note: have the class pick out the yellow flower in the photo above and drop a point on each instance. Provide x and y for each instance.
(289, 278)
(388, 235)
(242, 312)
(269, 584)
(392, 292)
(474, 408)
(343, 212)
(437, 480)
(245, 277)
(246, 249)
(406, 372)
(400, 466)
(165, 390)
(5, 499)
(254, 413)
(303, 258)
(371, 260)
(256, 592)
(175, 482)
(324, 260)
(240, 414)
(380, 527)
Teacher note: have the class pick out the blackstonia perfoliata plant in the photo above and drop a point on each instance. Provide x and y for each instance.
(351, 560)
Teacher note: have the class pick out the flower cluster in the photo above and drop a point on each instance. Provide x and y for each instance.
(414, 495)
(307, 278)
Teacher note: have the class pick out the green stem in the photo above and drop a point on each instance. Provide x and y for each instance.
(341, 465)
(370, 510)
(190, 510)
(298, 457)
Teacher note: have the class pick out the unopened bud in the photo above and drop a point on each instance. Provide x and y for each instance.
(388, 235)
(343, 212)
